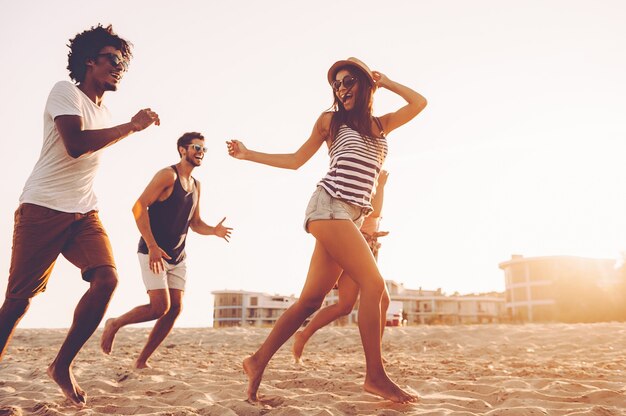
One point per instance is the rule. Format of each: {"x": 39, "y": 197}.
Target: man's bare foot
{"x": 389, "y": 390}
{"x": 65, "y": 380}
{"x": 141, "y": 365}
{"x": 298, "y": 346}
{"x": 108, "y": 335}
{"x": 80, "y": 391}
{"x": 254, "y": 371}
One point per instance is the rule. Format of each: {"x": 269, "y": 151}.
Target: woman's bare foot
{"x": 254, "y": 371}
{"x": 389, "y": 390}
{"x": 108, "y": 335}
{"x": 65, "y": 380}
{"x": 299, "y": 341}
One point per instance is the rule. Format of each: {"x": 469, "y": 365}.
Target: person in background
{"x": 348, "y": 289}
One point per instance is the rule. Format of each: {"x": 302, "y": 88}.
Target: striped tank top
{"x": 354, "y": 167}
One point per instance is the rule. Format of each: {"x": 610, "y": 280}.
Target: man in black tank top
{"x": 168, "y": 207}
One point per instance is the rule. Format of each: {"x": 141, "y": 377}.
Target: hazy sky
{"x": 520, "y": 150}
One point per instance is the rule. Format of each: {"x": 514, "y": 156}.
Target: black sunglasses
{"x": 197, "y": 147}
{"x": 115, "y": 60}
{"x": 348, "y": 81}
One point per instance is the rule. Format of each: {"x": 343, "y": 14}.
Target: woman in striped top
{"x": 357, "y": 148}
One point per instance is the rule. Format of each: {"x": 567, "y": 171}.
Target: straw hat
{"x": 350, "y": 62}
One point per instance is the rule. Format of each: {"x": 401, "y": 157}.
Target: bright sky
{"x": 520, "y": 149}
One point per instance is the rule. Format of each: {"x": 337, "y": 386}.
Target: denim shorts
{"x": 322, "y": 206}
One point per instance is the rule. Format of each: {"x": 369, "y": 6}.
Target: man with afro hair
{"x": 58, "y": 211}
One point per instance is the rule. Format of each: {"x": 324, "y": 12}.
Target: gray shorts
{"x": 322, "y": 206}
{"x": 174, "y": 276}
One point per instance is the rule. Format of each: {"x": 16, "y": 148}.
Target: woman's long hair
{"x": 360, "y": 117}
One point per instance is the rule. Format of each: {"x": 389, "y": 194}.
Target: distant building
{"x": 564, "y": 289}
{"x": 434, "y": 307}
{"x": 241, "y": 308}
{"x": 408, "y": 306}
{"x": 417, "y": 306}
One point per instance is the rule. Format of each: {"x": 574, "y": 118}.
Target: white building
{"x": 564, "y": 289}
{"x": 434, "y": 307}
{"x": 408, "y": 306}
{"x": 242, "y": 308}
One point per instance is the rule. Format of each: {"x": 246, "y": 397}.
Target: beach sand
{"x": 534, "y": 369}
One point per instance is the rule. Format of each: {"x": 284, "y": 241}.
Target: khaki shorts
{"x": 40, "y": 234}
{"x": 174, "y": 276}
{"x": 322, "y": 206}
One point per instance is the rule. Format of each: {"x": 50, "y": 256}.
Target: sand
{"x": 554, "y": 369}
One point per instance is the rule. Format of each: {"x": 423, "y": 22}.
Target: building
{"x": 434, "y": 307}
{"x": 419, "y": 306}
{"x": 407, "y": 307}
{"x": 563, "y": 289}
{"x": 241, "y": 308}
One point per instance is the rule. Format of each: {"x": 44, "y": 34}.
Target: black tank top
{"x": 169, "y": 220}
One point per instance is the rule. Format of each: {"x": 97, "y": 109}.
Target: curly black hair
{"x": 88, "y": 44}
{"x": 187, "y": 138}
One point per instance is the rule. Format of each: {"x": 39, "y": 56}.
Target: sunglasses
{"x": 348, "y": 81}
{"x": 115, "y": 60}
{"x": 197, "y": 148}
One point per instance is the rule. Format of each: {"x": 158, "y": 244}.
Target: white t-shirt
{"x": 59, "y": 181}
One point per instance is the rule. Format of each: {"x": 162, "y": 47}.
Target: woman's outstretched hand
{"x": 236, "y": 149}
